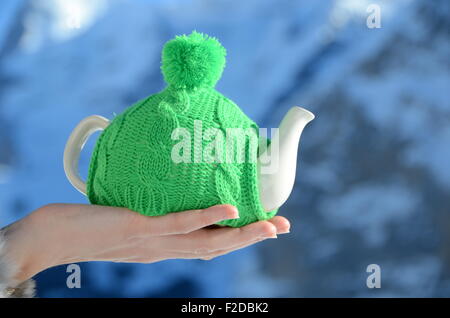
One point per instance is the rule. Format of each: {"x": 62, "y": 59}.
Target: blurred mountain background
{"x": 373, "y": 183}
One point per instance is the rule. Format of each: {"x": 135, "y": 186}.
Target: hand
{"x": 59, "y": 234}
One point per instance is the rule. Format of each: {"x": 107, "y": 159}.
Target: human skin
{"x": 59, "y": 234}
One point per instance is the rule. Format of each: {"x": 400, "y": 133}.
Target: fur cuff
{"x": 9, "y": 288}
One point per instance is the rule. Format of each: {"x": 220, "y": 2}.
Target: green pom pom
{"x": 193, "y": 61}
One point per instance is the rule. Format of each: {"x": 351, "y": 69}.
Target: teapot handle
{"x": 75, "y": 144}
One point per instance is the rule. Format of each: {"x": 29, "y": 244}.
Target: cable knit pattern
{"x": 132, "y": 166}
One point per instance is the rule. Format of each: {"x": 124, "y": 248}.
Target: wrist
{"x": 27, "y": 249}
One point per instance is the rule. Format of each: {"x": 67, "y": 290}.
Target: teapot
{"x": 188, "y": 147}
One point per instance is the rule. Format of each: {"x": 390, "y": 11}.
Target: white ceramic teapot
{"x": 275, "y": 186}
{"x": 132, "y": 165}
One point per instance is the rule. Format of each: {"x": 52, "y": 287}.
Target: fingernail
{"x": 235, "y": 214}
{"x": 273, "y": 236}
{"x": 272, "y": 233}
{"x": 284, "y": 232}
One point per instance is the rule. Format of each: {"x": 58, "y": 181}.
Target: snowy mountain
{"x": 373, "y": 183}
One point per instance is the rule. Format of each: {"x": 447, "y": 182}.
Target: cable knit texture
{"x": 132, "y": 163}
{"x": 9, "y": 287}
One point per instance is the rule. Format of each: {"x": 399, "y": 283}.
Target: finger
{"x": 145, "y": 254}
{"x": 143, "y": 251}
{"x": 281, "y": 223}
{"x": 227, "y": 251}
{"x": 214, "y": 254}
{"x": 182, "y": 222}
{"x": 206, "y": 241}
{"x": 211, "y": 255}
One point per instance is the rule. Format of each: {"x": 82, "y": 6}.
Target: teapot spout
{"x": 276, "y": 179}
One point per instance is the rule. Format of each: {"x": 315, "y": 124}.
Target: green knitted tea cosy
{"x": 133, "y": 163}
